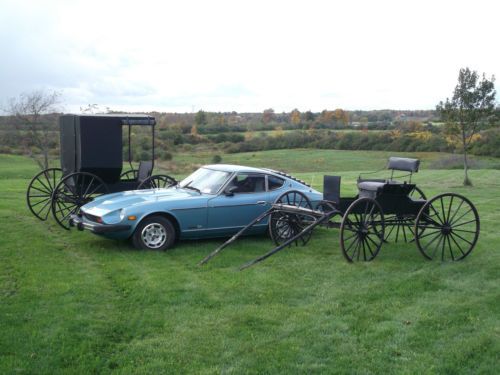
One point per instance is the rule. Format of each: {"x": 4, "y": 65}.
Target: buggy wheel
{"x": 447, "y": 227}
{"x": 401, "y": 226}
{"x": 72, "y": 192}
{"x": 362, "y": 230}
{"x": 40, "y": 189}
{"x": 284, "y": 225}
{"x": 131, "y": 174}
{"x": 417, "y": 194}
{"x": 158, "y": 181}
{"x": 154, "y": 233}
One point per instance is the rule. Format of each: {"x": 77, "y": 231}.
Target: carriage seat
{"x": 370, "y": 185}
{"x": 145, "y": 170}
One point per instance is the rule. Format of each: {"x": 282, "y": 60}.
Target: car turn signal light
{"x": 132, "y": 217}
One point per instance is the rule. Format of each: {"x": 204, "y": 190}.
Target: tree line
{"x": 467, "y": 123}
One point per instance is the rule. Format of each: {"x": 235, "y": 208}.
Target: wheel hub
{"x": 446, "y": 229}
{"x": 154, "y": 235}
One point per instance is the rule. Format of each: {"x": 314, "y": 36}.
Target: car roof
{"x": 235, "y": 168}
{"x": 242, "y": 168}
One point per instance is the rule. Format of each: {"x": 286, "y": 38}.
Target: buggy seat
{"x": 372, "y": 187}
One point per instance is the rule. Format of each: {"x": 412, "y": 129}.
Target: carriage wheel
{"x": 158, "y": 181}
{"x": 283, "y": 225}
{"x": 402, "y": 226}
{"x": 362, "y": 230}
{"x": 447, "y": 227}
{"x": 72, "y": 192}
{"x": 39, "y": 193}
{"x": 131, "y": 174}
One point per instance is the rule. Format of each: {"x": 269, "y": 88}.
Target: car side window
{"x": 274, "y": 182}
{"x": 248, "y": 183}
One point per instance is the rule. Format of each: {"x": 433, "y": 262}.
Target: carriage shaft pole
{"x": 235, "y": 237}
{"x": 289, "y": 241}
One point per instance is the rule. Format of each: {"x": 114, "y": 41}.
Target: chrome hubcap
{"x": 154, "y": 235}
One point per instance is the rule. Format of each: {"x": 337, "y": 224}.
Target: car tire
{"x": 154, "y": 233}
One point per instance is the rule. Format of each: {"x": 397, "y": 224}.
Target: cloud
{"x": 244, "y": 56}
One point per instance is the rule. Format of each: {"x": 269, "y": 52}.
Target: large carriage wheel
{"x": 362, "y": 230}
{"x": 283, "y": 225}
{"x": 131, "y": 174}
{"x": 40, "y": 189}
{"x": 158, "y": 181}
{"x": 401, "y": 226}
{"x": 72, "y": 192}
{"x": 447, "y": 227}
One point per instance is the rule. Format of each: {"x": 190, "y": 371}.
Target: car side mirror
{"x": 229, "y": 192}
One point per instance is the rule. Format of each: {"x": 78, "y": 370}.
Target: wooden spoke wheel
{"x": 362, "y": 230}
{"x": 131, "y": 175}
{"x": 285, "y": 225}
{"x": 40, "y": 189}
{"x": 159, "y": 181}
{"x": 72, "y": 192}
{"x": 447, "y": 227}
{"x": 400, "y": 227}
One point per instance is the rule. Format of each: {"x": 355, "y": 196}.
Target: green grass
{"x": 311, "y": 160}
{"x": 71, "y": 302}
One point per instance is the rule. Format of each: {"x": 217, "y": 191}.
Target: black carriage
{"x": 91, "y": 165}
{"x": 445, "y": 227}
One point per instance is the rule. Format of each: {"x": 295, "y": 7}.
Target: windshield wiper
{"x": 191, "y": 187}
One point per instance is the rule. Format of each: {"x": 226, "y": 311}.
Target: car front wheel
{"x": 154, "y": 233}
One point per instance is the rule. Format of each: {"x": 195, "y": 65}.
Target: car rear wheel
{"x": 154, "y": 233}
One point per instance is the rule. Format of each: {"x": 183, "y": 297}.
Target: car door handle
{"x": 261, "y": 203}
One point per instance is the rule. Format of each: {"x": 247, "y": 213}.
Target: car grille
{"x": 95, "y": 219}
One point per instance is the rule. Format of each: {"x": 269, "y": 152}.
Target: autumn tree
{"x": 35, "y": 128}
{"x": 295, "y": 117}
{"x": 471, "y": 109}
{"x": 268, "y": 116}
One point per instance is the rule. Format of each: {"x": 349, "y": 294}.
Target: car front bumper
{"x": 81, "y": 224}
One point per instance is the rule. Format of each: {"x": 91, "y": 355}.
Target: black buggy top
{"x": 91, "y": 165}
{"x": 93, "y": 143}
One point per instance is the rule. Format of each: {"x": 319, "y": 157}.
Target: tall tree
{"x": 268, "y": 115}
{"x": 35, "y": 128}
{"x": 295, "y": 117}
{"x": 200, "y": 118}
{"x": 471, "y": 109}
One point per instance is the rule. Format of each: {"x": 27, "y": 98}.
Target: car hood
{"x": 112, "y": 202}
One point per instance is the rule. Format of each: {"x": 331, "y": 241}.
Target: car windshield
{"x": 205, "y": 180}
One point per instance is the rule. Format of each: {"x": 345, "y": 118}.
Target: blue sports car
{"x": 214, "y": 201}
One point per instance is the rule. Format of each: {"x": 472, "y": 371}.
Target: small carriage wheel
{"x": 158, "y": 181}
{"x": 131, "y": 174}
{"x": 40, "y": 189}
{"x": 362, "y": 230}
{"x": 447, "y": 227}
{"x": 72, "y": 192}
{"x": 283, "y": 225}
{"x": 403, "y": 224}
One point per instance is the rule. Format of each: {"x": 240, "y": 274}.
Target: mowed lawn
{"x": 72, "y": 302}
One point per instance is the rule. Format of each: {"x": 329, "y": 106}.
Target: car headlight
{"x": 114, "y": 217}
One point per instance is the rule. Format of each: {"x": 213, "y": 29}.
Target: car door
{"x": 243, "y": 199}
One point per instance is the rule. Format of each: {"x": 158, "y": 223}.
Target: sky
{"x": 245, "y": 56}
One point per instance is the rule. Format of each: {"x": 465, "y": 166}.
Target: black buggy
{"x": 444, "y": 227}
{"x": 91, "y": 165}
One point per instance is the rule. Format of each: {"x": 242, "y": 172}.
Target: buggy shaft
{"x": 289, "y": 241}
{"x": 235, "y": 237}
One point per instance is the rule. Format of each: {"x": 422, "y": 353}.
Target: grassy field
{"x": 71, "y": 302}
{"x": 307, "y": 160}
